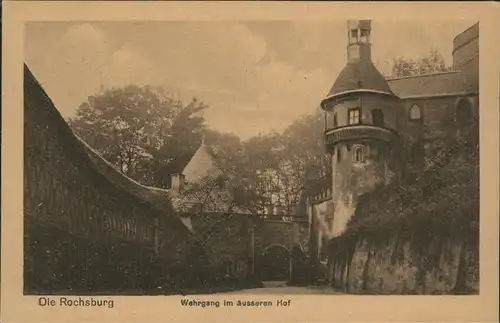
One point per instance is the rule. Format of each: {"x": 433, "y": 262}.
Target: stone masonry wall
{"x": 397, "y": 269}
{"x": 353, "y": 179}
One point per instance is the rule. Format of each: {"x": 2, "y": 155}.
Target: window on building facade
{"x": 365, "y": 33}
{"x": 354, "y": 36}
{"x": 354, "y": 116}
{"x": 463, "y": 111}
{"x": 415, "y": 112}
{"x": 335, "y": 123}
{"x": 377, "y": 117}
{"x": 358, "y": 154}
{"x": 339, "y": 157}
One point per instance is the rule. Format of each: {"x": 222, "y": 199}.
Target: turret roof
{"x": 361, "y": 76}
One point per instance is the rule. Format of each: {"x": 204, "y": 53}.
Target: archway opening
{"x": 275, "y": 264}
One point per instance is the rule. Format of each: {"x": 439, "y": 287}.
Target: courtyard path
{"x": 280, "y": 287}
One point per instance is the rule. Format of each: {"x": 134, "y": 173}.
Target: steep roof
{"x": 361, "y": 76}
{"x": 156, "y": 196}
{"x": 36, "y": 99}
{"x": 428, "y": 85}
{"x": 202, "y": 164}
{"x": 207, "y": 185}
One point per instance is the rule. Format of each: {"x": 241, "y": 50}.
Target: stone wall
{"x": 279, "y": 232}
{"x": 352, "y": 179}
{"x": 440, "y": 268}
{"x": 438, "y": 117}
{"x": 322, "y": 215}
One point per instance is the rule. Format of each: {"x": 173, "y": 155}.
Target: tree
{"x": 305, "y": 149}
{"x": 277, "y": 168}
{"x": 430, "y": 63}
{"x": 141, "y": 130}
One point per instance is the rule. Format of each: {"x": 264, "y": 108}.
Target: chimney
{"x": 177, "y": 181}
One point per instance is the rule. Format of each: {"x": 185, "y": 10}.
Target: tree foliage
{"x": 277, "y": 168}
{"x": 143, "y": 131}
{"x": 430, "y": 63}
{"x": 432, "y": 204}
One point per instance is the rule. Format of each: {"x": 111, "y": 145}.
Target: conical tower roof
{"x": 360, "y": 76}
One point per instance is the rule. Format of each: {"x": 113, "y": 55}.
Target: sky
{"x": 256, "y": 76}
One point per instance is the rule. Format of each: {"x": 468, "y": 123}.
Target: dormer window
{"x": 415, "y": 113}
{"x": 354, "y": 116}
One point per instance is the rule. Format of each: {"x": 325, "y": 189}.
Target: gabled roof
{"x": 202, "y": 164}
{"x": 361, "y": 76}
{"x": 208, "y": 187}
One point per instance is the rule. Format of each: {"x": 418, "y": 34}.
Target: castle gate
{"x": 275, "y": 263}
{"x": 277, "y": 242}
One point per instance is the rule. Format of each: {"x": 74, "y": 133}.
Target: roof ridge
{"x": 423, "y": 75}
{"x": 109, "y": 164}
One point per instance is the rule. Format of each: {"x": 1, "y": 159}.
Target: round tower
{"x": 359, "y": 126}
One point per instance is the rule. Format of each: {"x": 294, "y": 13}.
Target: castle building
{"x": 376, "y": 128}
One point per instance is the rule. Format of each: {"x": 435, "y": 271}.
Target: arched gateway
{"x": 275, "y": 263}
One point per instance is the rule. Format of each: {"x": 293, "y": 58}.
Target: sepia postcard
{"x": 250, "y": 162}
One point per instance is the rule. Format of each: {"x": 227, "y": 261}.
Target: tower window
{"x": 354, "y": 36}
{"x": 358, "y": 154}
{"x": 335, "y": 123}
{"x": 365, "y": 34}
{"x": 339, "y": 151}
{"x": 354, "y": 116}
{"x": 377, "y": 117}
{"x": 463, "y": 111}
{"x": 415, "y": 113}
